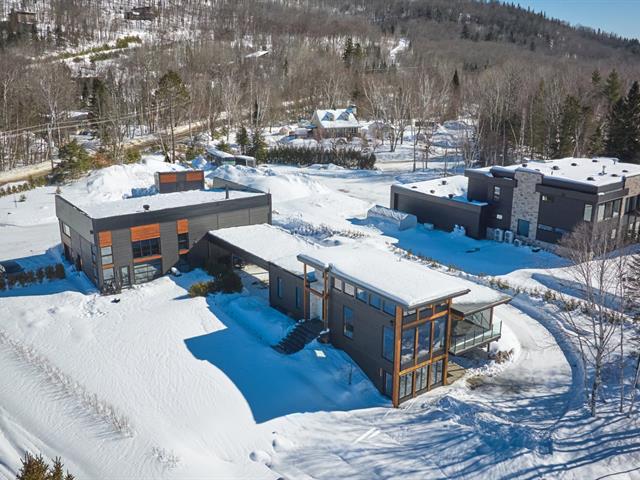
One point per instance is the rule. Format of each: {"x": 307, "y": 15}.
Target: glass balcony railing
{"x": 475, "y": 336}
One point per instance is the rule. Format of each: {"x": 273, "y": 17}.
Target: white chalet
{"x": 341, "y": 122}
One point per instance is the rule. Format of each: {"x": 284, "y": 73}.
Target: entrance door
{"x": 125, "y": 278}
{"x": 315, "y": 307}
{"x": 523, "y": 228}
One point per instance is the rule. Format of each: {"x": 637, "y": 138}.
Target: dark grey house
{"x": 537, "y": 202}
{"x": 134, "y": 240}
{"x": 398, "y": 320}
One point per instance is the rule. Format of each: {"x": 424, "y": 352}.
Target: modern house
{"x": 134, "y": 240}
{"x": 536, "y": 202}
{"x": 335, "y": 123}
{"x": 146, "y": 13}
{"x": 397, "y": 319}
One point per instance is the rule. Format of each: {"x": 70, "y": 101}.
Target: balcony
{"x": 467, "y": 335}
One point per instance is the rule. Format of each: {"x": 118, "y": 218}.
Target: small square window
{"x": 105, "y": 251}
{"x": 389, "y": 307}
{"x": 496, "y": 193}
{"x": 375, "y": 301}
{"x": 337, "y": 284}
{"x": 66, "y": 230}
{"x": 349, "y": 289}
{"x": 499, "y": 216}
{"x": 361, "y": 295}
{"x": 547, "y": 198}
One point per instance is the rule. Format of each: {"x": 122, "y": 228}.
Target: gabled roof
{"x": 337, "y": 118}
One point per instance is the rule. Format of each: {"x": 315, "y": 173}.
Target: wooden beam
{"x": 396, "y": 357}
{"x": 447, "y": 342}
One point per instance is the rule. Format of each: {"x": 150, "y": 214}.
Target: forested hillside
{"x": 537, "y": 87}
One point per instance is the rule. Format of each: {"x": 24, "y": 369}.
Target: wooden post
{"x": 445, "y": 361}
{"x": 396, "y": 357}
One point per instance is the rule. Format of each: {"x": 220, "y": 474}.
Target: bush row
{"x": 30, "y": 277}
{"x": 343, "y": 157}
{"x": 23, "y": 187}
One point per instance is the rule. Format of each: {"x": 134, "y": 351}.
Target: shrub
{"x": 23, "y": 198}
{"x": 35, "y": 468}
{"x": 49, "y": 272}
{"x": 229, "y": 282}
{"x": 192, "y": 152}
{"x": 59, "y": 271}
{"x": 40, "y": 274}
{"x": 344, "y": 157}
{"x": 132, "y": 155}
{"x": 74, "y": 161}
{"x": 200, "y": 289}
{"x": 3, "y": 284}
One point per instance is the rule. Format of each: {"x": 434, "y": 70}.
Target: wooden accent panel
{"x": 147, "y": 259}
{"x": 183, "y": 226}
{"x": 168, "y": 178}
{"x": 195, "y": 176}
{"x": 395, "y": 397}
{"x": 182, "y": 251}
{"x": 105, "y": 239}
{"x": 145, "y": 232}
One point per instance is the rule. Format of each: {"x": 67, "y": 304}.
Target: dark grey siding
{"x": 366, "y": 345}
{"x": 480, "y": 188}
{"x": 443, "y": 213}
{"x": 75, "y": 218}
{"x": 122, "y": 253}
{"x": 287, "y": 303}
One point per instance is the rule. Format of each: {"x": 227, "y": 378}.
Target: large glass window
{"x": 439, "y": 333}
{"x": 107, "y": 274}
{"x": 146, "y": 248}
{"x": 608, "y": 210}
{"x": 406, "y": 385}
{"x": 616, "y": 207}
{"x": 347, "y": 319}
{"x": 422, "y": 378}
{"x": 408, "y": 348}
{"x": 436, "y": 373}
{"x": 600, "y": 213}
{"x": 388, "y": 384}
{"x": 107, "y": 255}
{"x": 183, "y": 241}
{"x": 588, "y": 213}
{"x": 145, "y": 272}
{"x": 424, "y": 341}
{"x": 387, "y": 343}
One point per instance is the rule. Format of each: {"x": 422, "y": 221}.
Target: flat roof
{"x": 406, "y": 282}
{"x": 113, "y": 208}
{"x": 598, "y": 171}
{"x": 452, "y": 188}
{"x": 270, "y": 243}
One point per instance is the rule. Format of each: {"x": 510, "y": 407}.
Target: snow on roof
{"x": 590, "y": 171}
{"x": 337, "y": 118}
{"x": 454, "y": 188}
{"x": 219, "y": 153}
{"x": 113, "y": 208}
{"x": 407, "y": 283}
{"x": 272, "y": 244}
{"x": 479, "y": 298}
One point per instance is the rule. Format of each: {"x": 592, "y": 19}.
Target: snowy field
{"x": 160, "y": 385}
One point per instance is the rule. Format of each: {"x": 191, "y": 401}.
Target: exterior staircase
{"x": 299, "y": 336}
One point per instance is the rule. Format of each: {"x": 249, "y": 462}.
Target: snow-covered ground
{"x": 160, "y": 385}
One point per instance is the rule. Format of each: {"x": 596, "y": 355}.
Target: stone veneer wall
{"x": 526, "y": 201}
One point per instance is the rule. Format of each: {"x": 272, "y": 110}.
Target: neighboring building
{"x": 397, "y": 319}
{"x": 179, "y": 181}
{"x": 537, "y": 202}
{"x": 140, "y": 13}
{"x": 219, "y": 157}
{"x": 134, "y": 240}
{"x": 19, "y": 23}
{"x": 336, "y": 123}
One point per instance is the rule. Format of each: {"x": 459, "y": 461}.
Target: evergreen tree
{"x": 596, "y": 78}
{"x": 243, "y": 139}
{"x": 538, "y": 124}
{"x": 258, "y": 146}
{"x": 466, "y": 33}
{"x": 172, "y": 94}
{"x": 347, "y": 53}
{"x": 569, "y": 126}
{"x": 632, "y": 124}
{"x": 612, "y": 90}
{"x": 596, "y": 142}
{"x": 616, "y": 134}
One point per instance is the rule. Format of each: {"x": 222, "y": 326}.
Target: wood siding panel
{"x": 195, "y": 176}
{"x": 183, "y": 225}
{"x": 105, "y": 239}
{"x": 145, "y": 232}
{"x": 168, "y": 178}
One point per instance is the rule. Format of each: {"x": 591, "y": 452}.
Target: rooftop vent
{"x": 614, "y": 174}
{"x": 146, "y": 207}
{"x": 451, "y": 195}
{"x": 444, "y": 182}
{"x": 625, "y": 171}
{"x": 591, "y": 179}
{"x": 555, "y": 167}
{"x": 432, "y": 191}
{"x": 604, "y": 170}
{"x": 414, "y": 187}
{"x": 574, "y": 164}
{"x": 594, "y": 160}
{"x": 524, "y": 164}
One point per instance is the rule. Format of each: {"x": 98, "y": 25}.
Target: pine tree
{"x": 596, "y": 78}
{"x": 612, "y": 90}
{"x": 172, "y": 94}
{"x": 569, "y": 125}
{"x": 616, "y": 135}
{"x": 632, "y": 124}
{"x": 596, "y": 142}
{"x": 243, "y": 139}
{"x": 538, "y": 124}
{"x": 33, "y": 468}
{"x": 258, "y": 146}
{"x": 348, "y": 51}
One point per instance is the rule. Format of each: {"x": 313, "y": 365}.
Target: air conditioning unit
{"x": 508, "y": 236}
{"x": 517, "y": 242}
{"x": 498, "y": 235}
